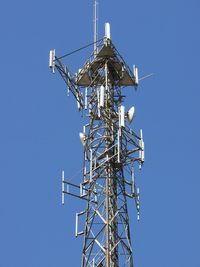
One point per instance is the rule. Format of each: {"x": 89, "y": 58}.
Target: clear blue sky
{"x": 40, "y": 127}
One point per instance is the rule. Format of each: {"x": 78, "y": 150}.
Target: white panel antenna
{"x": 52, "y": 55}
{"x": 98, "y": 99}
{"x": 118, "y": 145}
{"x": 135, "y": 72}
{"x": 107, "y": 30}
{"x": 141, "y": 151}
{"x": 122, "y": 116}
{"x": 102, "y": 91}
{"x": 82, "y": 138}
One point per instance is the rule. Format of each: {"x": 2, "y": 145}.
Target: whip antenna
{"x": 95, "y": 25}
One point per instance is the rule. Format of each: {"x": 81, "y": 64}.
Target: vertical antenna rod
{"x": 95, "y": 25}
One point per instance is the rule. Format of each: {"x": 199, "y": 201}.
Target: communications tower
{"x": 111, "y": 152}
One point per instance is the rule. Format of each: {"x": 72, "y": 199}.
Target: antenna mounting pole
{"x": 95, "y": 25}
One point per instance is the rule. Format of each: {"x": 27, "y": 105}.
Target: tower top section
{"x": 119, "y": 72}
{"x": 92, "y": 73}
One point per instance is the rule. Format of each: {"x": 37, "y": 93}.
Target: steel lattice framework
{"x": 111, "y": 150}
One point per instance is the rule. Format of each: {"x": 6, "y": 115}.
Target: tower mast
{"x": 111, "y": 152}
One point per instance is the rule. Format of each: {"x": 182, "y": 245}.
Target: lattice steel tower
{"x": 111, "y": 150}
